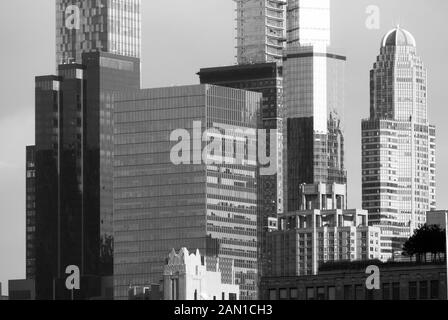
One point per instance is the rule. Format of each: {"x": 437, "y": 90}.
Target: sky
{"x": 177, "y": 41}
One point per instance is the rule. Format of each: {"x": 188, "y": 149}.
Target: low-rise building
{"x": 151, "y": 292}
{"x": 347, "y": 281}
{"x": 322, "y": 230}
{"x": 186, "y": 278}
{"x": 22, "y": 289}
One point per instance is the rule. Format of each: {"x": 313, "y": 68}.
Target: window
{"x": 310, "y": 294}
{"x": 413, "y": 290}
{"x": 232, "y": 296}
{"x": 331, "y": 293}
{"x": 434, "y": 289}
{"x": 348, "y": 292}
{"x": 321, "y": 293}
{"x": 272, "y": 294}
{"x": 396, "y": 291}
{"x": 370, "y": 294}
{"x": 386, "y": 291}
{"x": 294, "y": 293}
{"x": 423, "y": 290}
{"x": 359, "y": 292}
{"x": 283, "y": 294}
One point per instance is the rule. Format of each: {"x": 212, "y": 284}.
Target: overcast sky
{"x": 180, "y": 38}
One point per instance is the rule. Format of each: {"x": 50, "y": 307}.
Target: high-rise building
{"x": 308, "y": 23}
{"x": 314, "y": 100}
{"x": 73, "y": 167}
{"x": 261, "y": 30}
{"x": 112, "y": 26}
{"x": 398, "y": 143}
{"x": 267, "y": 79}
{"x": 169, "y": 197}
{"x": 30, "y": 212}
{"x": 98, "y": 45}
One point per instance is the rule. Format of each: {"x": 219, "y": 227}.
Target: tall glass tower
{"x": 70, "y": 187}
{"x": 398, "y": 143}
{"x": 112, "y": 26}
{"x": 261, "y": 30}
{"x": 314, "y": 99}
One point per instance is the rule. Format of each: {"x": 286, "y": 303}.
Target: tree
{"x": 427, "y": 239}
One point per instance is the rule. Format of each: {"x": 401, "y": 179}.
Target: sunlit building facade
{"x": 398, "y": 143}
{"x": 314, "y": 99}
{"x": 112, "y": 26}
{"x": 308, "y": 23}
{"x": 266, "y": 78}
{"x": 207, "y": 205}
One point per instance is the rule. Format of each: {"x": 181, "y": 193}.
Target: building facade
{"x": 185, "y": 277}
{"x": 97, "y": 51}
{"x": 308, "y": 23}
{"x": 398, "y": 143}
{"x": 30, "y": 212}
{"x": 398, "y": 281}
{"x": 314, "y": 98}
{"x": 307, "y": 239}
{"x": 267, "y": 79}
{"x": 261, "y": 30}
{"x": 164, "y": 202}
{"x": 111, "y": 26}
{"x": 73, "y": 166}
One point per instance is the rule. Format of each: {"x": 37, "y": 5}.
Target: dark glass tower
{"x": 74, "y": 147}
{"x": 30, "y": 212}
{"x": 97, "y": 48}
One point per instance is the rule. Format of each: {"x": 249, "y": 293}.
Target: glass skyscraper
{"x": 112, "y": 26}
{"x": 160, "y": 205}
{"x": 73, "y": 167}
{"x": 314, "y": 99}
{"x": 30, "y": 212}
{"x": 398, "y": 143}
{"x": 98, "y": 49}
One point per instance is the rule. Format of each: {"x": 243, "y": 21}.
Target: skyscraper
{"x": 261, "y": 30}
{"x": 398, "y": 143}
{"x": 207, "y": 201}
{"x": 112, "y": 26}
{"x": 266, "y": 78}
{"x": 74, "y": 142}
{"x": 308, "y": 23}
{"x": 30, "y": 212}
{"x": 314, "y": 100}
{"x": 74, "y": 147}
